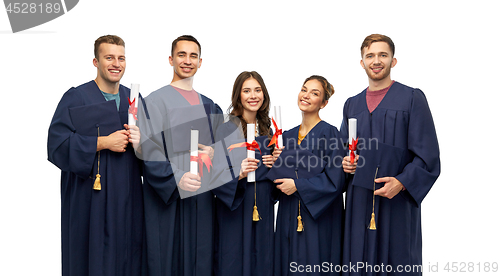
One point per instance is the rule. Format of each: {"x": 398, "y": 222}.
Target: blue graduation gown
{"x": 179, "y": 231}
{"x": 403, "y": 130}
{"x": 102, "y": 230}
{"x": 321, "y": 205}
{"x": 243, "y": 246}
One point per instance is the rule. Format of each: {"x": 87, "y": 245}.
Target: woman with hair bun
{"x": 309, "y": 221}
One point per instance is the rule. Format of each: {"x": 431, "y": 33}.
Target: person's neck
{"x": 374, "y": 85}
{"x": 107, "y": 87}
{"x": 309, "y": 120}
{"x": 185, "y": 84}
{"x": 250, "y": 117}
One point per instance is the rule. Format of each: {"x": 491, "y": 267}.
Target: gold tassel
{"x": 256, "y": 216}
{"x": 97, "y": 182}
{"x": 300, "y": 226}
{"x": 372, "y": 223}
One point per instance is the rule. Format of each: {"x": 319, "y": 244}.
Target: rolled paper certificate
{"x": 193, "y": 164}
{"x": 133, "y": 103}
{"x": 277, "y": 115}
{"x": 250, "y": 153}
{"x": 353, "y": 138}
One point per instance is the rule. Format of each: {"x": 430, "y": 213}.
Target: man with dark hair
{"x": 101, "y": 187}
{"x": 385, "y": 192}
{"x": 184, "y": 38}
{"x": 179, "y": 207}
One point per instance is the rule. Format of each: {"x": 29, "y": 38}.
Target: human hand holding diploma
{"x": 248, "y": 165}
{"x": 134, "y": 135}
{"x": 348, "y": 166}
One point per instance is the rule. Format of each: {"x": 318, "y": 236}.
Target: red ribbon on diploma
{"x": 132, "y": 109}
{"x": 202, "y": 159}
{"x": 250, "y": 146}
{"x": 352, "y": 147}
{"x": 274, "y": 139}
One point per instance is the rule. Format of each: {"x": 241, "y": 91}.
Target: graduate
{"x": 179, "y": 208}
{"x": 245, "y": 210}
{"x": 397, "y": 165}
{"x": 309, "y": 221}
{"x": 101, "y": 187}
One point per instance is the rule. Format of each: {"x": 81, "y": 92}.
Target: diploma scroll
{"x": 133, "y": 103}
{"x": 250, "y": 153}
{"x": 193, "y": 164}
{"x": 277, "y": 115}
{"x": 353, "y": 138}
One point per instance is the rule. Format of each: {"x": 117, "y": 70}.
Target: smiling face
{"x": 377, "y": 60}
{"x": 251, "y": 97}
{"x": 185, "y": 60}
{"x": 311, "y": 97}
{"x": 110, "y": 64}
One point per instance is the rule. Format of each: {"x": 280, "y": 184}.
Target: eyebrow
{"x": 185, "y": 53}
{"x": 257, "y": 87}
{"x": 379, "y": 53}
{"x": 314, "y": 89}
{"x": 112, "y": 55}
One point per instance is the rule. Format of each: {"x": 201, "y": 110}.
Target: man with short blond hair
{"x": 101, "y": 187}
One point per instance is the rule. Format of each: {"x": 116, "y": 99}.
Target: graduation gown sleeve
{"x": 419, "y": 175}
{"x": 67, "y": 149}
{"x": 320, "y": 191}
{"x": 158, "y": 171}
{"x": 227, "y": 187}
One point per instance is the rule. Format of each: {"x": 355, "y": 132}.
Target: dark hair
{"x": 186, "y": 38}
{"x": 236, "y": 108}
{"x": 110, "y": 39}
{"x": 377, "y": 38}
{"x": 327, "y": 87}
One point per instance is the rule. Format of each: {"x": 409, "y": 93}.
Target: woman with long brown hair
{"x": 245, "y": 210}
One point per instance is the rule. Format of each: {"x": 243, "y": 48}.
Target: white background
{"x": 446, "y": 48}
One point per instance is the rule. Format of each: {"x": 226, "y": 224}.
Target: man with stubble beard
{"x": 386, "y": 188}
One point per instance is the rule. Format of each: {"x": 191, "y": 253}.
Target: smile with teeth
{"x": 115, "y": 71}
{"x": 253, "y": 103}
{"x": 377, "y": 69}
{"x": 304, "y": 102}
